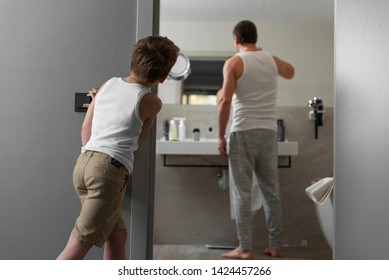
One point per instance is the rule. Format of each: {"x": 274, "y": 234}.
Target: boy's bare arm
{"x": 149, "y": 107}
{"x": 86, "y": 129}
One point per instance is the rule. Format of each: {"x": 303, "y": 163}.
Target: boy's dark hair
{"x": 153, "y": 57}
{"x": 246, "y": 32}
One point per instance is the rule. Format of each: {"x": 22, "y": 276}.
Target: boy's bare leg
{"x": 114, "y": 248}
{"x": 74, "y": 250}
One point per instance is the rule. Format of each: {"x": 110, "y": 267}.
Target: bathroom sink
{"x": 209, "y": 147}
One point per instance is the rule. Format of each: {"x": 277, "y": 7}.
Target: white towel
{"x": 321, "y": 190}
{"x": 256, "y": 198}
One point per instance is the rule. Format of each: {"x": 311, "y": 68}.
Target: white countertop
{"x": 209, "y": 147}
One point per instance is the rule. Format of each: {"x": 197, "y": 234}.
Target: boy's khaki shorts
{"x": 100, "y": 186}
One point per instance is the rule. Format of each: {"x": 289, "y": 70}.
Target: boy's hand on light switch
{"x": 92, "y": 93}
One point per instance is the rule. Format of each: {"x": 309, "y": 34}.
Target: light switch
{"x": 81, "y": 98}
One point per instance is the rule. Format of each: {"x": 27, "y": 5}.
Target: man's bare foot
{"x": 238, "y": 253}
{"x": 274, "y": 252}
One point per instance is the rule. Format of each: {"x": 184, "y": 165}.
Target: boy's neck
{"x": 132, "y": 79}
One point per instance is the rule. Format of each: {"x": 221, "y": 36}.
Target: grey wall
{"x": 361, "y": 129}
{"x": 190, "y": 207}
{"x": 49, "y": 50}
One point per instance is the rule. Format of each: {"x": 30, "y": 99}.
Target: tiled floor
{"x": 201, "y": 252}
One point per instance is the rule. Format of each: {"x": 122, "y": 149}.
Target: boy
{"x": 123, "y": 110}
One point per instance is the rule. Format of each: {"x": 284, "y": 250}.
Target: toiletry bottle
{"x": 165, "y": 130}
{"x": 280, "y": 130}
{"x": 196, "y": 134}
{"x": 182, "y": 130}
{"x": 172, "y": 130}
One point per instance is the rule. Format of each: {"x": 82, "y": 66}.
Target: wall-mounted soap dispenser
{"x": 316, "y": 114}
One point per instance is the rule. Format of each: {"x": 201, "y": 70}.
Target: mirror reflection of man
{"x": 250, "y": 89}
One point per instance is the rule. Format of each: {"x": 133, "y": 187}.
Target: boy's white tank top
{"x": 116, "y": 123}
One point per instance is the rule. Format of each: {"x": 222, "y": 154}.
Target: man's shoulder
{"x": 235, "y": 58}
{"x": 234, "y": 61}
{"x": 234, "y": 66}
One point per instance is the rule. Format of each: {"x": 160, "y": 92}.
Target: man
{"x": 250, "y": 88}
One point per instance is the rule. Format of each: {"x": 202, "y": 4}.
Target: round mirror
{"x": 181, "y": 68}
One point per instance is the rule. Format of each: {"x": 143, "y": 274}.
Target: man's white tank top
{"x": 254, "y": 101}
{"x": 116, "y": 123}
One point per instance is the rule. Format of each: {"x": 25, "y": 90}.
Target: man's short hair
{"x": 153, "y": 57}
{"x": 246, "y": 32}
